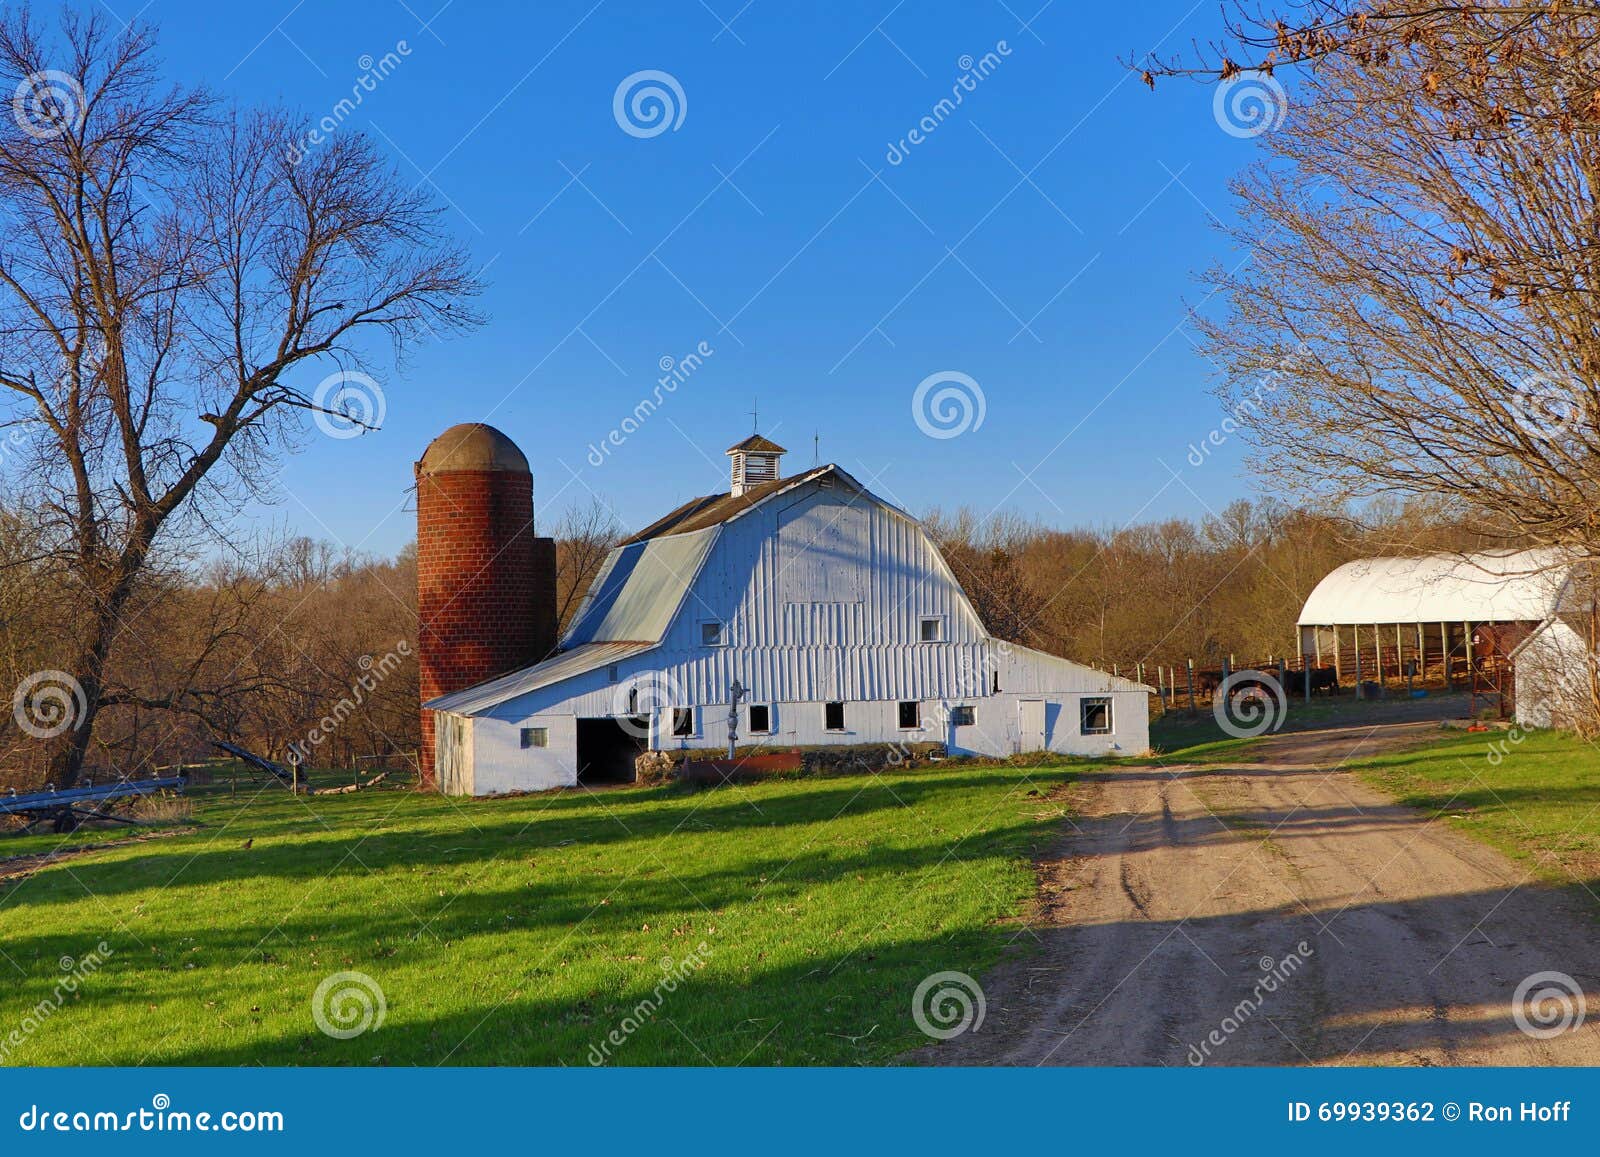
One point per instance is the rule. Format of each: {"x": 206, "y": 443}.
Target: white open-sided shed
{"x": 1439, "y": 615}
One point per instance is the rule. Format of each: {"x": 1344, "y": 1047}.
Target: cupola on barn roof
{"x": 755, "y": 463}
{"x": 757, "y": 444}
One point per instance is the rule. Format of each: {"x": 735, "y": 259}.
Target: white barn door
{"x": 1031, "y": 724}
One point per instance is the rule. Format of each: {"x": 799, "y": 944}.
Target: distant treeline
{"x": 1169, "y": 591}
{"x": 299, "y": 642}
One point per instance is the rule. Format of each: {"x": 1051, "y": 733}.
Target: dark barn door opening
{"x": 606, "y": 750}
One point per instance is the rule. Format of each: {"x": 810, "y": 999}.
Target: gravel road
{"x": 1282, "y": 912}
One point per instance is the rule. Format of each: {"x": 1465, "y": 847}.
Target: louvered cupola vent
{"x": 755, "y": 460}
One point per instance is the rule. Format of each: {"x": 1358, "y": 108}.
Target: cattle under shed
{"x": 1437, "y": 617}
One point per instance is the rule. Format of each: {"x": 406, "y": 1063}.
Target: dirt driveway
{"x": 1289, "y": 911}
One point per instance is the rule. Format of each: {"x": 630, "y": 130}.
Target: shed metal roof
{"x": 566, "y": 665}
{"x": 1492, "y": 587}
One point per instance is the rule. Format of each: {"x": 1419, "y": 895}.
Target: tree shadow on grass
{"x": 299, "y": 852}
{"x": 854, "y": 1004}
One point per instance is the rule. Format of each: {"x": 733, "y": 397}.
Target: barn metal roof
{"x": 639, "y": 589}
{"x": 566, "y": 665}
{"x": 715, "y": 509}
{"x": 1492, "y": 587}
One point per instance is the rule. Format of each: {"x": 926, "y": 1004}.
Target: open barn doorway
{"x": 607, "y": 748}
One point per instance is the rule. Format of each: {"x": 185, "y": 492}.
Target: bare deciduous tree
{"x": 1425, "y": 298}
{"x": 172, "y": 276}
{"x": 584, "y": 536}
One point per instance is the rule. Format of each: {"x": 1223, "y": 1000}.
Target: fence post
{"x": 1192, "y": 707}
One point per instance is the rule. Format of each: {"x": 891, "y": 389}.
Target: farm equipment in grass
{"x": 284, "y": 775}
{"x": 69, "y": 808}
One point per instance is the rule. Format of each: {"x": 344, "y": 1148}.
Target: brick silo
{"x": 486, "y": 597}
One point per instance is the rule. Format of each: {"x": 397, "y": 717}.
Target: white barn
{"x": 831, "y": 607}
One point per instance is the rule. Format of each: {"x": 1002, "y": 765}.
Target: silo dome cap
{"x": 473, "y": 446}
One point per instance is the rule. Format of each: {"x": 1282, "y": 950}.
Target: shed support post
{"x": 1355, "y": 634}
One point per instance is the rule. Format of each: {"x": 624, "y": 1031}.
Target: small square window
{"x": 760, "y": 718}
{"x": 536, "y": 737}
{"x": 611, "y": 673}
{"x": 833, "y": 716}
{"x": 711, "y": 634}
{"x": 962, "y": 716}
{"x": 1095, "y": 716}
{"x": 682, "y": 721}
{"x": 931, "y": 630}
{"x": 910, "y": 715}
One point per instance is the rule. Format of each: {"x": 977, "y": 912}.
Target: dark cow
{"x": 1322, "y": 679}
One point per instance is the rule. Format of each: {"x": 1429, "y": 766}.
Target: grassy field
{"x": 526, "y": 930}
{"x": 1534, "y": 795}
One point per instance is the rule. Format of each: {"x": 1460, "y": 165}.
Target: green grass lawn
{"x": 524, "y": 931}
{"x": 1534, "y": 795}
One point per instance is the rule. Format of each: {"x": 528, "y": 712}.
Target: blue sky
{"x": 1041, "y": 240}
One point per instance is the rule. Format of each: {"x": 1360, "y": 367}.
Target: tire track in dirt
{"x": 1182, "y": 890}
